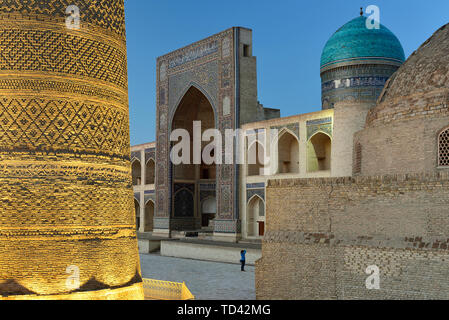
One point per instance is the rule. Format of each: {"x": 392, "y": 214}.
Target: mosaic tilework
{"x": 293, "y": 127}
{"x": 251, "y": 193}
{"x": 161, "y": 223}
{"x": 227, "y": 226}
{"x": 150, "y": 154}
{"x": 314, "y": 126}
{"x": 208, "y": 65}
{"x": 354, "y": 83}
{"x": 65, "y": 175}
{"x": 253, "y": 189}
{"x": 354, "y": 40}
{"x": 356, "y": 62}
{"x": 149, "y": 197}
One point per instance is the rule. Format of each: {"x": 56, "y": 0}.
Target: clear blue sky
{"x": 288, "y": 36}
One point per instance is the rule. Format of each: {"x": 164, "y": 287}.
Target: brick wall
{"x": 322, "y": 234}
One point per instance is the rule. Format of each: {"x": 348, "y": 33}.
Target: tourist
{"x": 243, "y": 259}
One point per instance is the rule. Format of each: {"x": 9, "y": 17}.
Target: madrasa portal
{"x": 353, "y": 135}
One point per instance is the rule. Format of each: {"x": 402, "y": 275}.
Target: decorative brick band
{"x": 431, "y": 104}
{"x": 438, "y": 178}
{"x": 329, "y": 239}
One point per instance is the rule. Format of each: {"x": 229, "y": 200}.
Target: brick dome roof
{"x": 420, "y": 87}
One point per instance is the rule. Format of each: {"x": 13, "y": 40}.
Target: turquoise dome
{"x": 354, "y": 41}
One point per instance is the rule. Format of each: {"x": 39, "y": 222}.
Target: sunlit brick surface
{"x": 65, "y": 180}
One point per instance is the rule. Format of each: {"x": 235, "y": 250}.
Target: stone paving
{"x": 206, "y": 280}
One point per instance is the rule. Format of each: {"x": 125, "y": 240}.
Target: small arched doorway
{"x": 136, "y": 173}
{"x": 149, "y": 216}
{"x": 137, "y": 212}
{"x": 288, "y": 153}
{"x": 319, "y": 150}
{"x": 208, "y": 211}
{"x": 255, "y": 217}
{"x": 149, "y": 172}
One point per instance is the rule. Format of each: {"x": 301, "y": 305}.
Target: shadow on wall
{"x": 319, "y": 150}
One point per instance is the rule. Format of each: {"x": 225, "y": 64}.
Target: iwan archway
{"x": 187, "y": 178}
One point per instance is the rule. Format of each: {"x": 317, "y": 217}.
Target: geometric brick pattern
{"x": 106, "y": 14}
{"x": 65, "y": 176}
{"x": 22, "y": 50}
{"x": 31, "y": 123}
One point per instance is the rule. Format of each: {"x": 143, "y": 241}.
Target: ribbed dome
{"x": 355, "y": 41}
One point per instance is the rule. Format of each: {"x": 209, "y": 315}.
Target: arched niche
{"x": 288, "y": 153}
{"x": 149, "y": 216}
{"x": 136, "y": 172}
{"x": 319, "y": 149}
{"x": 150, "y": 172}
{"x": 255, "y": 217}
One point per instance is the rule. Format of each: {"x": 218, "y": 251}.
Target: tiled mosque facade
{"x": 215, "y": 81}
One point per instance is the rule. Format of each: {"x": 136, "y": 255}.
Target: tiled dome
{"x": 354, "y": 41}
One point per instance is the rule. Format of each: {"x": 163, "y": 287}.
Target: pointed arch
{"x": 187, "y": 88}
{"x": 136, "y": 172}
{"x": 255, "y": 216}
{"x": 319, "y": 149}
{"x": 287, "y": 152}
{"x": 193, "y": 105}
{"x": 255, "y": 196}
{"x": 149, "y": 216}
{"x": 150, "y": 171}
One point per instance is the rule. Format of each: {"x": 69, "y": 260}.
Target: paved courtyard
{"x": 206, "y": 280}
